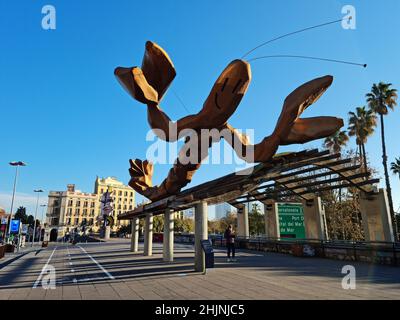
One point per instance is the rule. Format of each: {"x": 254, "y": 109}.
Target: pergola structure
{"x": 290, "y": 177}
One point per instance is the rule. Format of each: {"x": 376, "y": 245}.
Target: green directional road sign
{"x": 291, "y": 220}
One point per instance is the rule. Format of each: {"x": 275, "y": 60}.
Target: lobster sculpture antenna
{"x": 149, "y": 83}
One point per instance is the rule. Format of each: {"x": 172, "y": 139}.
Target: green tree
{"x": 395, "y": 166}
{"x": 21, "y": 215}
{"x": 214, "y": 226}
{"x": 342, "y": 216}
{"x": 337, "y": 141}
{"x": 141, "y": 225}
{"x": 342, "y": 205}
{"x": 361, "y": 125}
{"x": 30, "y": 220}
{"x": 184, "y": 225}
{"x": 158, "y": 223}
{"x": 229, "y": 219}
{"x": 382, "y": 98}
{"x": 256, "y": 220}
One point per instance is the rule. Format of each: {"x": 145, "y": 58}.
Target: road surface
{"x": 110, "y": 271}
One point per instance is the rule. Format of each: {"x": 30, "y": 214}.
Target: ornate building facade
{"x": 71, "y": 209}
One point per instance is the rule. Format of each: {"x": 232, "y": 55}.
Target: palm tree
{"x": 361, "y": 125}
{"x": 336, "y": 141}
{"x": 382, "y": 98}
{"x": 395, "y": 166}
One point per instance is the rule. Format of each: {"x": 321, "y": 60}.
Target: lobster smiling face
{"x": 227, "y": 92}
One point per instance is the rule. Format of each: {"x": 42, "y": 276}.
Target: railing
{"x": 367, "y": 251}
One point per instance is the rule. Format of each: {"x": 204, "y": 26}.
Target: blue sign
{"x": 14, "y": 228}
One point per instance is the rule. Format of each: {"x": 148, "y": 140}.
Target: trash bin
{"x": 45, "y": 244}
{"x": 2, "y": 251}
{"x": 10, "y": 248}
{"x": 209, "y": 253}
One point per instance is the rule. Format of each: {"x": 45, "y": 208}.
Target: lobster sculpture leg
{"x": 149, "y": 83}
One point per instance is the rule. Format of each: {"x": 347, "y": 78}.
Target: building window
{"x": 101, "y": 191}
{"x": 126, "y": 193}
{"x": 78, "y": 203}
{"x": 120, "y": 193}
{"x": 77, "y": 211}
{"x": 85, "y": 204}
{"x": 84, "y": 211}
{"x": 131, "y": 194}
{"x": 70, "y": 203}
{"x": 76, "y": 221}
{"x": 92, "y": 204}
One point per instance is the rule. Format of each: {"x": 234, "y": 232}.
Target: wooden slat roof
{"x": 290, "y": 174}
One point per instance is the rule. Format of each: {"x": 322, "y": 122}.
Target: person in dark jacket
{"x": 230, "y": 243}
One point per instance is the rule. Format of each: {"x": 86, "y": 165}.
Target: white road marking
{"x": 87, "y": 279}
{"x": 92, "y": 279}
{"x": 98, "y": 264}
{"x": 43, "y": 270}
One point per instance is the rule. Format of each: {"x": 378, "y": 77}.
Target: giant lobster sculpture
{"x": 149, "y": 83}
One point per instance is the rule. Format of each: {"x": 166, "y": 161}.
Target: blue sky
{"x": 63, "y": 112}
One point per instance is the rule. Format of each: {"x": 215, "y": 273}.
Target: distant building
{"x": 188, "y": 213}
{"x": 69, "y": 209}
{"x": 3, "y": 227}
{"x": 222, "y": 210}
{"x": 2, "y": 212}
{"x": 73, "y": 208}
{"x": 215, "y": 212}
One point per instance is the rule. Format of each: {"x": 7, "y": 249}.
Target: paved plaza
{"x": 110, "y": 271}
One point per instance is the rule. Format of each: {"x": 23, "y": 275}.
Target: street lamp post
{"x": 34, "y": 224}
{"x": 15, "y": 164}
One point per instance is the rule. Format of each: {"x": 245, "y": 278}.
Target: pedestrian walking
{"x": 230, "y": 243}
